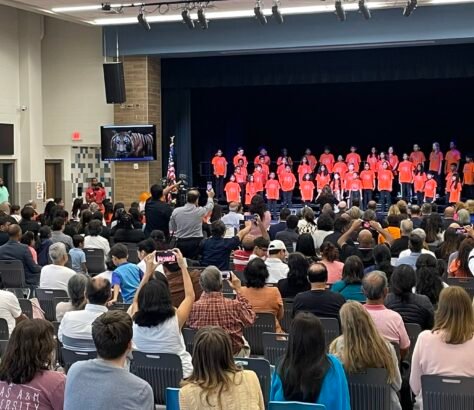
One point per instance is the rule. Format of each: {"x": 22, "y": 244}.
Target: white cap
{"x": 277, "y": 244}
{"x": 471, "y": 262}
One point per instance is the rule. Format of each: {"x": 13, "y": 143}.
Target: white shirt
{"x": 232, "y": 219}
{"x": 97, "y": 242}
{"x": 319, "y": 237}
{"x": 9, "y": 308}
{"x": 277, "y": 270}
{"x": 55, "y": 277}
{"x": 407, "y": 252}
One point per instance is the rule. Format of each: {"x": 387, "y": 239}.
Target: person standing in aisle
{"x": 219, "y": 163}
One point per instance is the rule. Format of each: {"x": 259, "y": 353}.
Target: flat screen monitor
{"x": 6, "y": 139}
{"x": 128, "y": 142}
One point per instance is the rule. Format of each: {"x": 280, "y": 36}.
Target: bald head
{"x": 372, "y": 205}
{"x": 375, "y": 285}
{"x": 449, "y": 212}
{"x": 14, "y": 232}
{"x": 365, "y": 238}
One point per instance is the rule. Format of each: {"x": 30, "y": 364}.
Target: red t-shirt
{"x": 419, "y": 182}
{"x": 368, "y": 179}
{"x": 287, "y": 181}
{"x": 250, "y": 192}
{"x": 355, "y": 185}
{"x": 257, "y": 160}
{"x": 312, "y": 161}
{"x": 430, "y": 188}
{"x": 241, "y": 177}
{"x": 436, "y": 158}
{"x": 232, "y": 190}
{"x": 242, "y": 157}
{"x": 455, "y": 193}
{"x": 385, "y": 177}
{"x": 405, "y": 170}
{"x": 322, "y": 180}
{"x": 373, "y": 161}
{"x": 417, "y": 157}
{"x": 220, "y": 166}
{"x": 340, "y": 168}
{"x": 468, "y": 172}
{"x": 328, "y": 160}
{"x": 353, "y": 158}
{"x": 453, "y": 156}
{"x": 303, "y": 170}
{"x": 272, "y": 188}
{"x": 307, "y": 190}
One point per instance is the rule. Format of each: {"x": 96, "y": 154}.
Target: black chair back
{"x": 46, "y": 299}
{"x": 274, "y": 346}
{"x": 120, "y": 306}
{"x": 72, "y": 356}
{"x": 466, "y": 283}
{"x": 264, "y": 322}
{"x": 331, "y": 329}
{"x": 3, "y": 347}
{"x": 287, "y": 316}
{"x": 94, "y": 261}
{"x": 26, "y": 307}
{"x": 188, "y": 336}
{"x": 369, "y": 390}
{"x": 132, "y": 252}
{"x": 413, "y": 330}
{"x": 12, "y": 274}
{"x": 442, "y": 393}
{"x": 262, "y": 369}
{"x": 4, "y": 332}
{"x": 20, "y": 293}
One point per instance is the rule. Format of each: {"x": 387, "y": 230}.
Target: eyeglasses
{"x": 263, "y": 249}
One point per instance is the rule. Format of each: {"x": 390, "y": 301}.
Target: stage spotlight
{"x": 258, "y": 10}
{"x": 340, "y": 12}
{"x": 203, "y": 22}
{"x": 142, "y": 20}
{"x": 410, "y": 7}
{"x": 187, "y": 18}
{"x": 364, "y": 10}
{"x": 277, "y": 14}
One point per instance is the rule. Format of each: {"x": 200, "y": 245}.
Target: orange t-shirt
{"x": 281, "y": 169}
{"x": 273, "y": 189}
{"x": 419, "y": 182}
{"x": 312, "y": 161}
{"x": 393, "y": 161}
{"x": 347, "y": 179}
{"x": 287, "y": 181}
{"x": 385, "y": 177}
{"x": 340, "y": 168}
{"x": 354, "y": 158}
{"x": 336, "y": 185}
{"x": 455, "y": 193}
{"x": 322, "y": 180}
{"x": 257, "y": 160}
{"x": 468, "y": 172}
{"x": 250, "y": 192}
{"x": 232, "y": 190}
{"x": 380, "y": 165}
{"x": 436, "y": 158}
{"x": 259, "y": 180}
{"x": 405, "y": 170}
{"x": 328, "y": 160}
{"x": 241, "y": 177}
{"x": 266, "y": 171}
{"x": 242, "y": 157}
{"x": 368, "y": 179}
{"x": 220, "y": 166}
{"x": 448, "y": 181}
{"x": 355, "y": 185}
{"x": 373, "y": 161}
{"x": 453, "y": 156}
{"x": 303, "y": 170}
{"x": 307, "y": 190}
{"x": 430, "y": 188}
{"x": 417, "y": 157}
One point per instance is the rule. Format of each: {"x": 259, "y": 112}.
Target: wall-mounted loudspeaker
{"x": 114, "y": 83}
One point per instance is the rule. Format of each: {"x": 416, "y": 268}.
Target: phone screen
{"x": 249, "y": 217}
{"x": 165, "y": 257}
{"x": 225, "y": 274}
{"x": 460, "y": 231}
{"x": 209, "y": 185}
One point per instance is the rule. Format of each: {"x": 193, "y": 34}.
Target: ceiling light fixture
{"x": 142, "y": 19}
{"x": 364, "y": 10}
{"x": 203, "y": 21}
{"x": 258, "y": 10}
{"x": 277, "y": 13}
{"x": 340, "y": 12}
{"x": 186, "y": 14}
{"x": 410, "y": 7}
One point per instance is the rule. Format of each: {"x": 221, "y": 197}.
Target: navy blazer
{"x": 14, "y": 250}
{"x": 274, "y": 229}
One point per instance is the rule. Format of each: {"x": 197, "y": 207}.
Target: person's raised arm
{"x": 346, "y": 235}
{"x": 209, "y": 206}
{"x": 386, "y": 235}
{"x": 262, "y": 228}
{"x": 245, "y": 231}
{"x": 149, "y": 273}
{"x": 247, "y": 315}
{"x": 186, "y": 305}
{"x": 171, "y": 188}
{"x": 172, "y": 224}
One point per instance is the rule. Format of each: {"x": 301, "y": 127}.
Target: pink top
{"x": 267, "y": 218}
{"x": 34, "y": 255}
{"x": 44, "y": 392}
{"x": 433, "y": 356}
{"x": 390, "y": 325}
{"x": 334, "y": 271}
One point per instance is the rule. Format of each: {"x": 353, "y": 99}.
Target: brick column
{"x": 143, "y": 106}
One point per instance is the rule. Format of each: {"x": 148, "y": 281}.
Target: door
{"x": 53, "y": 179}
{"x": 7, "y": 170}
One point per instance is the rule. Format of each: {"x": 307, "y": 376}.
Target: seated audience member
{"x": 281, "y": 225}
{"x": 28, "y": 239}
{"x": 341, "y": 225}
{"x": 233, "y": 218}
{"x": 388, "y": 322}
{"x": 94, "y": 240}
{"x": 126, "y": 277}
{"x": 403, "y": 208}
{"x": 276, "y": 266}
{"x": 401, "y": 244}
{"x": 145, "y": 248}
{"x": 216, "y": 250}
{"x": 58, "y": 235}
{"x": 289, "y": 236}
{"x": 450, "y": 245}
{"x": 260, "y": 250}
{"x": 259, "y": 207}
{"x": 432, "y": 226}
{"x": 159, "y": 237}
{"x": 157, "y": 324}
{"x": 125, "y": 230}
{"x": 25, "y": 376}
{"x": 383, "y": 261}
{"x": 464, "y": 218}
{"x": 421, "y": 233}
{"x": 393, "y": 227}
{"x": 305, "y": 245}
{"x": 448, "y": 217}
{"x": 213, "y": 309}
{"x": 325, "y": 228}
{"x": 448, "y": 349}
{"x": 361, "y": 347}
{"x": 4, "y": 224}
{"x": 14, "y": 250}
{"x": 319, "y": 300}
{"x": 75, "y": 327}
{"x": 43, "y": 244}
{"x": 56, "y": 275}
{"x": 428, "y": 280}
{"x": 77, "y": 255}
{"x": 459, "y": 268}
{"x": 10, "y": 309}
{"x": 307, "y": 223}
{"x": 216, "y": 380}
{"x": 415, "y": 216}
{"x": 76, "y": 290}
{"x": 105, "y": 383}
{"x": 263, "y": 299}
{"x": 412, "y": 308}
{"x": 350, "y": 286}
{"x": 241, "y": 256}
{"x": 27, "y": 223}
{"x": 306, "y": 372}
{"x": 415, "y": 244}
{"x": 297, "y": 280}
{"x": 330, "y": 258}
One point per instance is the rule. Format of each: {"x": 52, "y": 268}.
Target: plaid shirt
{"x": 213, "y": 309}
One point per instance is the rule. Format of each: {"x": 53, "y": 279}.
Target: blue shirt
{"x": 334, "y": 392}
{"x": 128, "y": 277}
{"x": 216, "y": 251}
{"x": 78, "y": 257}
{"x": 350, "y": 291}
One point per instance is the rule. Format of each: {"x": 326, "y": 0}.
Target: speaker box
{"x": 114, "y": 83}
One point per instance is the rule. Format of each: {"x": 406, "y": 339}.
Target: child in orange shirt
{"x": 419, "y": 179}
{"x": 468, "y": 177}
{"x": 385, "y": 178}
{"x": 449, "y": 175}
{"x": 430, "y": 188}
{"x": 259, "y": 178}
{"x": 340, "y": 167}
{"x": 272, "y": 188}
{"x": 322, "y": 178}
{"x": 336, "y": 186}
{"x": 281, "y": 167}
{"x": 284, "y": 156}
{"x": 367, "y": 177}
{"x": 353, "y": 158}
{"x": 262, "y": 153}
{"x": 232, "y": 190}
{"x": 304, "y": 168}
{"x": 405, "y": 177}
{"x": 327, "y": 159}
{"x": 455, "y": 189}
{"x": 307, "y": 189}
{"x": 373, "y": 159}
{"x": 355, "y": 190}
{"x": 265, "y": 168}
{"x": 417, "y": 156}
{"x": 287, "y": 182}
{"x": 312, "y": 161}
{"x": 241, "y": 178}
{"x": 348, "y": 177}
{"x": 240, "y": 156}
{"x": 250, "y": 190}
{"x": 219, "y": 164}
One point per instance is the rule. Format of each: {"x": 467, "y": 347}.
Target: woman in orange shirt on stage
{"x": 337, "y": 186}
{"x": 340, "y": 167}
{"x": 272, "y": 189}
{"x": 455, "y": 189}
{"x": 287, "y": 183}
{"x": 250, "y": 190}
{"x": 430, "y": 188}
{"x": 232, "y": 190}
{"x": 419, "y": 179}
{"x": 307, "y": 189}
{"x": 353, "y": 158}
{"x": 385, "y": 179}
{"x": 303, "y": 169}
{"x": 367, "y": 177}
{"x": 322, "y": 178}
{"x": 405, "y": 177}
{"x": 373, "y": 159}
{"x": 355, "y": 190}
{"x": 327, "y": 159}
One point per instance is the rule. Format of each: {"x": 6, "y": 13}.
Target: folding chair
{"x": 172, "y": 398}
{"x": 132, "y": 252}
{"x": 294, "y": 405}
{"x": 12, "y": 274}
{"x": 331, "y": 329}
{"x": 262, "y": 369}
{"x": 274, "y": 346}
{"x": 120, "y": 306}
{"x": 94, "y": 260}
{"x": 20, "y": 293}
{"x": 287, "y": 316}
{"x": 4, "y": 332}
{"x": 3, "y": 347}
{"x": 441, "y": 393}
{"x": 188, "y": 336}
{"x": 26, "y": 307}
{"x": 160, "y": 370}
{"x": 369, "y": 390}
{"x": 46, "y": 300}
{"x": 264, "y": 322}
{"x": 72, "y": 356}
{"x": 466, "y": 283}
{"x": 396, "y": 346}
{"x": 413, "y": 330}
{"x": 59, "y": 356}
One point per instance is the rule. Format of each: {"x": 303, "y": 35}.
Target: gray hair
{"x": 406, "y": 226}
{"x": 57, "y": 252}
{"x": 374, "y": 285}
{"x": 463, "y": 217}
{"x": 211, "y": 279}
{"x": 76, "y": 290}
{"x": 419, "y": 232}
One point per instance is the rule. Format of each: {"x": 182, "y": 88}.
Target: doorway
{"x": 53, "y": 177}
{"x": 7, "y": 172}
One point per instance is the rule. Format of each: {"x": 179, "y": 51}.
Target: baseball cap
{"x": 471, "y": 262}
{"x": 277, "y": 244}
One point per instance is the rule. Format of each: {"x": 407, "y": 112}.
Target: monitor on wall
{"x": 128, "y": 142}
{"x": 6, "y": 139}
